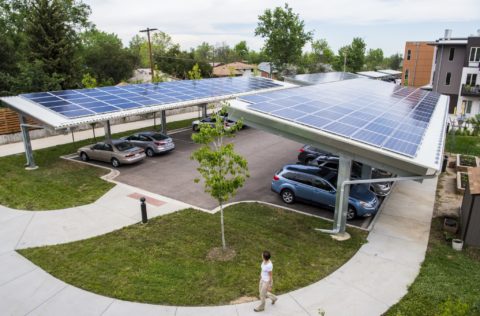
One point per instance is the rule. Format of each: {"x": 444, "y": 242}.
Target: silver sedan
{"x": 116, "y": 152}
{"x": 152, "y": 142}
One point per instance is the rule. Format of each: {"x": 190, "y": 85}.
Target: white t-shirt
{"x": 266, "y": 268}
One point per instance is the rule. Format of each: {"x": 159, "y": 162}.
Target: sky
{"x": 385, "y": 24}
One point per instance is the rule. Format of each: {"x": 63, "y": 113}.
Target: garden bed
{"x": 462, "y": 179}
{"x": 464, "y": 162}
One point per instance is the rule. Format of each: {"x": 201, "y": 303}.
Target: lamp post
{"x": 148, "y": 30}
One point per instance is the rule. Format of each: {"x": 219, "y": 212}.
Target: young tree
{"x": 285, "y": 35}
{"x": 195, "y": 73}
{"x": 222, "y": 169}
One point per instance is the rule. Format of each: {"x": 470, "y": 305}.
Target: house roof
{"x": 265, "y": 67}
{"x": 236, "y": 68}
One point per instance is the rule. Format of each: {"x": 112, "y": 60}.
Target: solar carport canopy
{"x": 67, "y": 108}
{"x": 322, "y": 77}
{"x": 383, "y": 125}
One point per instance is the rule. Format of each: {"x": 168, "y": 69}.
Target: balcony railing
{"x": 473, "y": 91}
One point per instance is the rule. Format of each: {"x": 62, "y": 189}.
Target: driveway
{"x": 172, "y": 174}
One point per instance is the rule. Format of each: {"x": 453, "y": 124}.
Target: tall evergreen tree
{"x": 50, "y": 28}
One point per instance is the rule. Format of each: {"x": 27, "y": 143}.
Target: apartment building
{"x": 456, "y": 72}
{"x": 417, "y": 64}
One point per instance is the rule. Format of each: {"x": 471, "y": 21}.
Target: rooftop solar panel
{"x": 324, "y": 77}
{"x": 377, "y": 113}
{"x": 87, "y": 102}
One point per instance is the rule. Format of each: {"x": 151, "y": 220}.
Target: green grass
{"x": 165, "y": 262}
{"x": 468, "y": 145}
{"x": 58, "y": 183}
{"x": 447, "y": 277}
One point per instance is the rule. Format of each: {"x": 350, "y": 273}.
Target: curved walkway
{"x": 375, "y": 278}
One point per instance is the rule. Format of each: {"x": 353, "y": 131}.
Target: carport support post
{"x": 204, "y": 110}
{"x": 366, "y": 171}
{"x": 108, "y": 132}
{"x": 164, "y": 121}
{"x": 27, "y": 144}
{"x": 343, "y": 192}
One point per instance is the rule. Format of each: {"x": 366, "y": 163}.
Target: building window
{"x": 447, "y": 78}
{"x": 406, "y": 74}
{"x": 474, "y": 54}
{"x": 452, "y": 53}
{"x": 471, "y": 79}
{"x": 467, "y": 106}
{"x": 405, "y": 78}
{"x": 409, "y": 53}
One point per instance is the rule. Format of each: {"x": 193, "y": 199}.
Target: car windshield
{"x": 123, "y": 146}
{"x": 158, "y": 136}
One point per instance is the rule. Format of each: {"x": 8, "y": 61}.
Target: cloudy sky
{"x": 385, "y": 24}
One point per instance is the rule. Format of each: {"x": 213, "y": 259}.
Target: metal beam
{"x": 30, "y": 165}
{"x": 343, "y": 192}
{"x": 204, "y": 109}
{"x": 164, "y": 121}
{"x": 108, "y": 132}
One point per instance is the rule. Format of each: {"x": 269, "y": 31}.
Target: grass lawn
{"x": 165, "y": 261}
{"x": 449, "y": 281}
{"x": 469, "y": 145}
{"x": 57, "y": 183}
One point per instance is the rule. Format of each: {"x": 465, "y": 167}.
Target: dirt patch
{"x": 243, "y": 299}
{"x": 218, "y": 254}
{"x": 448, "y": 201}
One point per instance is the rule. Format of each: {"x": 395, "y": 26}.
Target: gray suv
{"x": 152, "y": 142}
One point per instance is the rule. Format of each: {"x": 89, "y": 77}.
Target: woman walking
{"x": 266, "y": 282}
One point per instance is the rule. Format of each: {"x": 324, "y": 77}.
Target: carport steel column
{"x": 27, "y": 144}
{"x": 343, "y": 192}
{"x": 108, "y": 132}
{"x": 204, "y": 110}
{"x": 164, "y": 121}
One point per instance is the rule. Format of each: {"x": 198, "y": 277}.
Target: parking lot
{"x": 172, "y": 174}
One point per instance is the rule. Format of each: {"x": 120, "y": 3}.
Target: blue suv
{"x": 318, "y": 186}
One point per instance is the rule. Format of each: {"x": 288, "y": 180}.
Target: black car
{"x": 309, "y": 153}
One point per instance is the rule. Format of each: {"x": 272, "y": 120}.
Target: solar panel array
{"x": 377, "y": 113}
{"x": 324, "y": 77}
{"x": 87, "y": 102}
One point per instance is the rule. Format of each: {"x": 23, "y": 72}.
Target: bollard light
{"x": 143, "y": 208}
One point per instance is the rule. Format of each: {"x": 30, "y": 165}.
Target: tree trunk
{"x": 224, "y": 246}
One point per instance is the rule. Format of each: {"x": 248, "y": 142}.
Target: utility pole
{"x": 345, "y": 61}
{"x": 148, "y": 30}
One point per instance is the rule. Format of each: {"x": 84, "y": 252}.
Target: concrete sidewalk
{"x": 375, "y": 278}
{"x": 17, "y": 148}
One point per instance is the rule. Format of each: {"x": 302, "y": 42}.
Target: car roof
{"x": 116, "y": 141}
{"x": 325, "y": 173}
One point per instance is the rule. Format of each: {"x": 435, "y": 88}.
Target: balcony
{"x": 470, "y": 91}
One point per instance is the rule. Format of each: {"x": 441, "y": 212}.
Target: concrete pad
{"x": 123, "y": 308}
{"x": 12, "y": 231}
{"x": 36, "y": 287}
{"x": 12, "y": 266}
{"x": 395, "y": 249}
{"x": 384, "y": 280}
{"x": 7, "y": 214}
{"x": 73, "y": 301}
{"x": 206, "y": 311}
{"x": 335, "y": 297}
{"x": 286, "y": 305}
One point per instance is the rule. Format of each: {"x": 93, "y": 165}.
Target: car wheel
{"x": 195, "y": 128}
{"x": 288, "y": 196}
{"x": 351, "y": 213}
{"x": 115, "y": 162}
{"x": 84, "y": 156}
{"x": 149, "y": 152}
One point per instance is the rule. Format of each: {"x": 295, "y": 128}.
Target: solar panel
{"x": 324, "y": 77}
{"x": 86, "y": 102}
{"x": 377, "y": 113}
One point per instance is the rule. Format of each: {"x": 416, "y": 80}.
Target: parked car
{"x": 310, "y": 155}
{"x": 211, "y": 121}
{"x": 318, "y": 186}
{"x": 117, "y": 152}
{"x": 152, "y": 142}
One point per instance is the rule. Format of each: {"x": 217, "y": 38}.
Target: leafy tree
{"x": 393, "y": 62}
{"x": 161, "y": 43}
{"x": 178, "y": 63}
{"x": 475, "y": 122}
{"x": 318, "y": 60}
{"x": 222, "y": 169}
{"x": 241, "y": 50}
{"x": 204, "y": 52}
{"x": 355, "y": 56}
{"x": 374, "y": 59}
{"x": 52, "y": 38}
{"x": 223, "y": 53}
{"x": 195, "y": 73}
{"x": 105, "y": 57}
{"x": 88, "y": 81}
{"x": 285, "y": 35}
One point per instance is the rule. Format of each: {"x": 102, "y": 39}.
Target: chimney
{"x": 448, "y": 34}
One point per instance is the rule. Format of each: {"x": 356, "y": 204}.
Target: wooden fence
{"x": 9, "y": 121}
